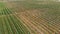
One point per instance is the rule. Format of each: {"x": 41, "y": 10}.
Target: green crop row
{"x": 11, "y": 25}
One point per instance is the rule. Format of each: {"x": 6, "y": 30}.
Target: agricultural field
{"x": 29, "y": 17}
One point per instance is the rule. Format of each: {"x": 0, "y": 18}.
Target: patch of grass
{"x": 2, "y": 5}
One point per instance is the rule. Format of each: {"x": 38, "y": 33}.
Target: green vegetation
{"x": 2, "y": 5}
{"x": 10, "y": 23}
